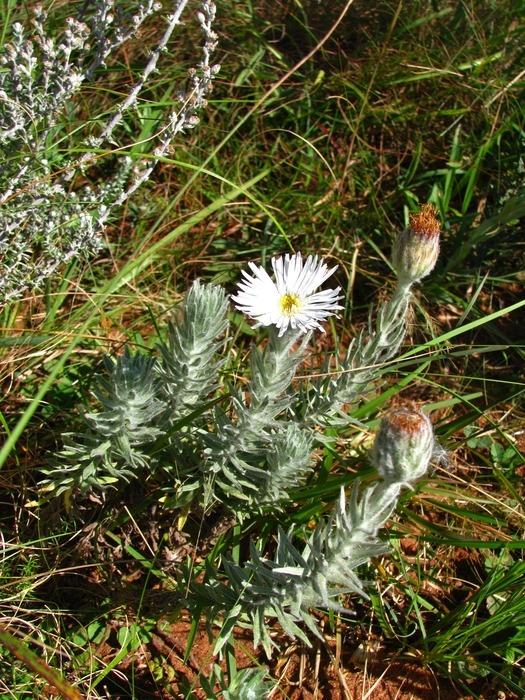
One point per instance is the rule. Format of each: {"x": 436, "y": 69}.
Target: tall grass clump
{"x": 261, "y": 358}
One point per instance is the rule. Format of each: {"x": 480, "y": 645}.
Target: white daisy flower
{"x": 289, "y": 302}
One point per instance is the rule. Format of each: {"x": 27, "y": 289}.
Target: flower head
{"x": 404, "y": 445}
{"x": 290, "y": 300}
{"x": 416, "y": 250}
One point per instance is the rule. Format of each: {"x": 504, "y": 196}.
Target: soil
{"x": 362, "y": 672}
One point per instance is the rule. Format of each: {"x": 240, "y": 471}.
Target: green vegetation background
{"x": 324, "y": 132}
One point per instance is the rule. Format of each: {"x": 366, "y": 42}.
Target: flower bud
{"x": 416, "y": 250}
{"x": 404, "y": 445}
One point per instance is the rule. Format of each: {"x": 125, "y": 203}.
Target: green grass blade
{"x": 514, "y": 209}
{"x": 38, "y": 666}
{"x": 463, "y": 329}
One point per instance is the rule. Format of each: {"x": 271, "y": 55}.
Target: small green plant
{"x": 170, "y": 418}
{"x": 247, "y": 684}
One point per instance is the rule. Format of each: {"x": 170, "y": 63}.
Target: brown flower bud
{"x": 404, "y": 445}
{"x": 416, "y": 250}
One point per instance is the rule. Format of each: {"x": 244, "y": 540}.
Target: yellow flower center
{"x": 290, "y": 304}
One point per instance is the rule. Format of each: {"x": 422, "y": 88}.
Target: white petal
{"x": 261, "y": 298}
